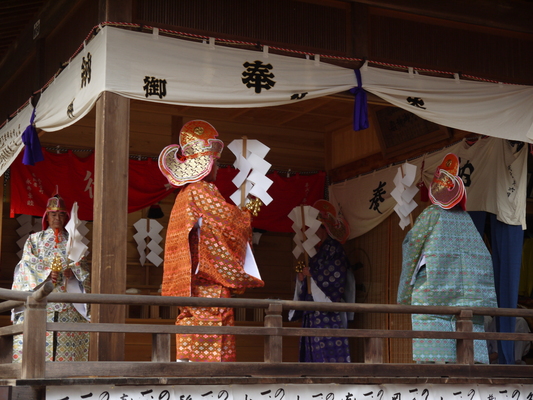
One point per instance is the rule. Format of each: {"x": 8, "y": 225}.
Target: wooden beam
{"x": 110, "y": 220}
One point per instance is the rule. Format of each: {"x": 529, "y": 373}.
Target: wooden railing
{"x": 162, "y": 366}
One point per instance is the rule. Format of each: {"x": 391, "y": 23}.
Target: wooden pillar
{"x": 465, "y": 347}
{"x": 2, "y": 179}
{"x": 273, "y": 344}
{"x": 110, "y": 221}
{"x": 34, "y": 334}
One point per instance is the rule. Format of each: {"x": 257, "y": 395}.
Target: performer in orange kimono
{"x": 206, "y": 244}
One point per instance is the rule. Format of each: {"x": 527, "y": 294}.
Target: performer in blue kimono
{"x": 328, "y": 271}
{"x": 446, "y": 263}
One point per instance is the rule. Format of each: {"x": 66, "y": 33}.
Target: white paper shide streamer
{"x": 252, "y": 168}
{"x": 28, "y": 225}
{"x": 148, "y": 239}
{"x": 305, "y": 224}
{"x": 77, "y": 242}
{"x": 404, "y": 193}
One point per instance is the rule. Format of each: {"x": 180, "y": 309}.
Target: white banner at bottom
{"x": 294, "y": 392}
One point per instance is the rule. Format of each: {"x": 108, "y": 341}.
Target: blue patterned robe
{"x": 457, "y": 272}
{"x": 328, "y": 269}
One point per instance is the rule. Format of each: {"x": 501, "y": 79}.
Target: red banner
{"x": 32, "y": 186}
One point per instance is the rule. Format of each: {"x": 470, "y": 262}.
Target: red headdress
{"x": 199, "y": 150}
{"x": 55, "y": 203}
{"x": 334, "y": 222}
{"x": 447, "y": 188}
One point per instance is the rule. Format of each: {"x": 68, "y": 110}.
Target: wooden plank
{"x": 110, "y": 220}
{"x": 262, "y": 380}
{"x": 173, "y": 369}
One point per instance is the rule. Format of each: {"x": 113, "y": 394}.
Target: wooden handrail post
{"x": 6, "y": 349}
{"x": 465, "y": 347}
{"x": 34, "y": 334}
{"x": 273, "y": 344}
{"x": 161, "y": 347}
{"x": 373, "y": 350}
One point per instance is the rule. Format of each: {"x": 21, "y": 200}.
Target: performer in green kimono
{"x": 446, "y": 263}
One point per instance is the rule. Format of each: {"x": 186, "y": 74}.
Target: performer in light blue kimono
{"x": 329, "y": 273}
{"x": 446, "y": 263}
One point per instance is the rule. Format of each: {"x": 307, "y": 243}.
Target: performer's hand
{"x": 301, "y": 276}
{"x": 306, "y": 271}
{"x": 54, "y": 275}
{"x": 68, "y": 273}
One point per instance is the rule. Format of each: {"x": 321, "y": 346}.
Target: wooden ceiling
{"x": 15, "y": 16}
{"x": 296, "y": 133}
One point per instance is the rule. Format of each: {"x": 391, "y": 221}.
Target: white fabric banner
{"x": 75, "y": 90}
{"x": 155, "y": 68}
{"x": 415, "y": 391}
{"x": 497, "y": 110}
{"x": 11, "y": 137}
{"x": 494, "y": 172}
{"x": 162, "y": 69}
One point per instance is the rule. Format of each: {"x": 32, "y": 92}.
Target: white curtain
{"x": 151, "y": 67}
{"x": 498, "y": 110}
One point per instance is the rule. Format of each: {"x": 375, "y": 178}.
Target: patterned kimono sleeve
{"x": 28, "y": 273}
{"x": 412, "y": 248}
{"x": 81, "y": 272}
{"x": 230, "y": 229}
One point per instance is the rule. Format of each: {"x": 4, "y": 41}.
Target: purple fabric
{"x": 32, "y": 152}
{"x": 328, "y": 269}
{"x": 360, "y": 110}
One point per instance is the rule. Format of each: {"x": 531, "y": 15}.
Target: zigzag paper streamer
{"x": 252, "y": 171}
{"x": 151, "y": 250}
{"x": 28, "y": 225}
{"x": 404, "y": 193}
{"x": 77, "y": 242}
{"x": 305, "y": 238}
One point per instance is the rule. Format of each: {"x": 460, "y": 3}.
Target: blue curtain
{"x": 506, "y": 243}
